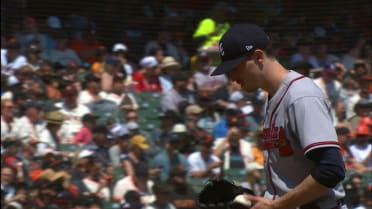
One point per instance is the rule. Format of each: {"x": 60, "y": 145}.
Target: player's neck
{"x": 274, "y": 76}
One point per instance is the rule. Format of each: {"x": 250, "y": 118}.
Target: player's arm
{"x": 326, "y": 174}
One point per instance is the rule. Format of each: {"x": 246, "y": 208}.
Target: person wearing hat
{"x": 34, "y": 58}
{"x": 120, "y": 50}
{"x": 179, "y": 93}
{"x": 112, "y": 69}
{"x": 49, "y": 138}
{"x": 203, "y": 163}
{"x": 147, "y": 78}
{"x": 122, "y": 138}
{"x": 296, "y": 107}
{"x": 169, "y": 158}
{"x": 138, "y": 150}
{"x": 168, "y": 67}
{"x": 85, "y": 135}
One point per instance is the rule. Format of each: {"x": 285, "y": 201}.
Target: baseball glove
{"x": 222, "y": 194}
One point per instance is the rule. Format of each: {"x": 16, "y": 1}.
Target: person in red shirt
{"x": 147, "y": 78}
{"x": 85, "y": 136}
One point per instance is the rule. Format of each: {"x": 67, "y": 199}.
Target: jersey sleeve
{"x": 310, "y": 120}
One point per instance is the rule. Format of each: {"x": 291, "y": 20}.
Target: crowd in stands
{"x": 85, "y": 125}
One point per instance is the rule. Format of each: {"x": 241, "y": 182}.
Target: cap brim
{"x": 226, "y": 66}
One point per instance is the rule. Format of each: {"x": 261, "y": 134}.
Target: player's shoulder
{"x": 304, "y": 87}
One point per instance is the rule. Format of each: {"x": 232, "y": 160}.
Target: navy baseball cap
{"x": 237, "y": 43}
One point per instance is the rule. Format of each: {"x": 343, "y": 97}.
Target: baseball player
{"x": 303, "y": 165}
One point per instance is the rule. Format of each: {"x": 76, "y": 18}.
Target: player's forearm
{"x": 307, "y": 191}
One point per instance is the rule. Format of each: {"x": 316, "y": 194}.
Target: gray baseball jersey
{"x": 298, "y": 119}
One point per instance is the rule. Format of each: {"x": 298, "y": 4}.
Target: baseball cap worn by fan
{"x": 119, "y": 47}
{"x": 237, "y": 43}
{"x": 140, "y": 141}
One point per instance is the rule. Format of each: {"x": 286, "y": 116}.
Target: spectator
{"x": 34, "y": 58}
{"x": 91, "y": 92}
{"x": 255, "y": 118}
{"x": 7, "y": 119}
{"x": 99, "y": 144}
{"x": 183, "y": 197}
{"x": 222, "y": 94}
{"x": 361, "y": 109}
{"x": 322, "y": 56}
{"x": 72, "y": 110}
{"x": 112, "y": 70}
{"x": 339, "y": 115}
{"x": 304, "y": 53}
{"x": 204, "y": 82}
{"x": 29, "y": 126}
{"x": 163, "y": 41}
{"x": 84, "y": 135}
{"x": 120, "y": 50}
{"x": 167, "y": 121}
{"x": 169, "y": 66}
{"x": 242, "y": 104}
{"x": 8, "y": 181}
{"x": 124, "y": 100}
{"x": 30, "y": 33}
{"x": 220, "y": 130}
{"x": 95, "y": 180}
{"x": 162, "y": 192}
{"x": 303, "y": 68}
{"x": 50, "y": 137}
{"x": 362, "y": 147}
{"x": 62, "y": 54}
{"x": 98, "y": 66}
{"x": 121, "y": 147}
{"x": 238, "y": 153}
{"x": 328, "y": 83}
{"x": 349, "y": 94}
{"x": 147, "y": 78}
{"x": 135, "y": 155}
{"x": 343, "y": 137}
{"x": 139, "y": 183}
{"x": 11, "y": 58}
{"x": 179, "y": 93}
{"x": 169, "y": 158}
{"x": 203, "y": 163}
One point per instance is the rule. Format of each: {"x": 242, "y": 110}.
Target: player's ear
{"x": 258, "y": 55}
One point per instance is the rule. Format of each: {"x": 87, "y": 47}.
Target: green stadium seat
{"x": 196, "y": 184}
{"x": 69, "y": 147}
{"x": 235, "y": 174}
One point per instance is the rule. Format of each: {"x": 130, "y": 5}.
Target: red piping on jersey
{"x": 271, "y": 118}
{"x": 319, "y": 143}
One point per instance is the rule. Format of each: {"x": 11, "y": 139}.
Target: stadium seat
{"x": 196, "y": 184}
{"x": 69, "y": 147}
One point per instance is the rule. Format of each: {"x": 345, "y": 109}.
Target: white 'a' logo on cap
{"x": 222, "y": 52}
{"x": 248, "y": 47}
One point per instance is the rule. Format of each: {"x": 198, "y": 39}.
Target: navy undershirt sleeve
{"x": 329, "y": 167}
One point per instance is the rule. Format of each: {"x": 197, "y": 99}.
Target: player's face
{"x": 247, "y": 75}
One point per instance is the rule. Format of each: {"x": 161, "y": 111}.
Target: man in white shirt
{"x": 11, "y": 58}
{"x": 91, "y": 92}
{"x": 72, "y": 111}
{"x": 29, "y": 126}
{"x": 203, "y": 163}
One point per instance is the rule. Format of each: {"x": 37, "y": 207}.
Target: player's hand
{"x": 260, "y": 202}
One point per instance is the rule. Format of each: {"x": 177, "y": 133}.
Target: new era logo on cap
{"x": 237, "y": 43}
